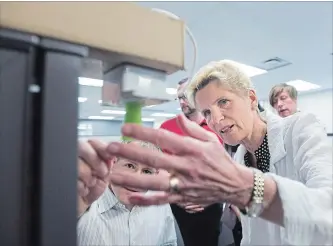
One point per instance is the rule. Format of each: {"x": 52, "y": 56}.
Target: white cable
{"x": 190, "y": 34}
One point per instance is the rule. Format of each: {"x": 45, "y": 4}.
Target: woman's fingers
{"x": 159, "y": 198}
{"x": 194, "y": 208}
{"x": 143, "y": 155}
{"x": 145, "y": 182}
{"x": 194, "y": 130}
{"x": 194, "y": 211}
{"x": 100, "y": 148}
{"x": 85, "y": 174}
{"x": 82, "y": 189}
{"x": 89, "y": 155}
{"x": 155, "y": 199}
{"x": 236, "y": 211}
{"x": 166, "y": 140}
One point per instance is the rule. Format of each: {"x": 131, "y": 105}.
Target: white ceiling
{"x": 250, "y": 33}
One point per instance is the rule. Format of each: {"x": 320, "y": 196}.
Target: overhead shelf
{"x": 115, "y": 32}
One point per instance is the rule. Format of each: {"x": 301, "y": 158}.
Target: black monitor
{"x": 38, "y": 139}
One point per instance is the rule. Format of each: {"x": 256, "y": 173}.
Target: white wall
{"x": 320, "y": 104}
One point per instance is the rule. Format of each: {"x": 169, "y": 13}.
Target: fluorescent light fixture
{"x": 249, "y": 70}
{"x": 150, "y": 106}
{"x": 90, "y": 82}
{"x": 163, "y": 115}
{"x": 100, "y": 101}
{"x": 179, "y": 109}
{"x": 100, "y": 117}
{"x": 171, "y": 91}
{"x": 148, "y": 119}
{"x": 118, "y": 112}
{"x": 82, "y": 99}
{"x": 84, "y": 127}
{"x": 302, "y": 85}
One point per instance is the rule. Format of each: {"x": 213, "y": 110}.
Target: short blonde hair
{"x": 225, "y": 72}
{"x": 278, "y": 89}
{"x": 143, "y": 144}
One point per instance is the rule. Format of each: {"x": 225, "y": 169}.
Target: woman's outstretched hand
{"x": 205, "y": 171}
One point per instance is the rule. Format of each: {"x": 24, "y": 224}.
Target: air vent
{"x": 273, "y": 63}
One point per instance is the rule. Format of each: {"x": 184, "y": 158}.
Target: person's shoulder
{"x": 301, "y": 120}
{"x": 89, "y": 219}
{"x": 169, "y": 123}
{"x": 300, "y": 123}
{"x": 90, "y": 227}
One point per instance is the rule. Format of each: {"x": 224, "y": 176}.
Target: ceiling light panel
{"x": 117, "y": 112}
{"x": 82, "y": 99}
{"x": 163, "y": 115}
{"x": 302, "y": 85}
{"x": 249, "y": 70}
{"x": 90, "y": 82}
{"x": 100, "y": 117}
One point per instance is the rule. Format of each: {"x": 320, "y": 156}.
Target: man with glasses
{"x": 198, "y": 225}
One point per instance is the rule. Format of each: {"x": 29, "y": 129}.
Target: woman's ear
{"x": 253, "y": 99}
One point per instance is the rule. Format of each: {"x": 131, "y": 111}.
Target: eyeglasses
{"x": 181, "y": 97}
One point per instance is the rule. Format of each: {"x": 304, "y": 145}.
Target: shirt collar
{"x": 107, "y": 201}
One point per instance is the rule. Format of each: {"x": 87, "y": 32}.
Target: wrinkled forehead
{"x": 280, "y": 92}
{"x": 149, "y": 146}
{"x": 209, "y": 95}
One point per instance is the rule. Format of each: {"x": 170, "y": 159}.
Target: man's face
{"x": 126, "y": 166}
{"x": 184, "y": 104}
{"x": 284, "y": 104}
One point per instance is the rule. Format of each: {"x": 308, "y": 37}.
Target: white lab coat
{"x": 301, "y": 165}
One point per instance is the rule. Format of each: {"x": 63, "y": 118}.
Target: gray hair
{"x": 278, "y": 89}
{"x": 142, "y": 144}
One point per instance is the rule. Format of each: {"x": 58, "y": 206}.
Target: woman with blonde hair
{"x": 280, "y": 177}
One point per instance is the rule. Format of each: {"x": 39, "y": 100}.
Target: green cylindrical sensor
{"x": 133, "y": 114}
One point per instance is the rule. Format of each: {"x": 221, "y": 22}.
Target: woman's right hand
{"x": 94, "y": 165}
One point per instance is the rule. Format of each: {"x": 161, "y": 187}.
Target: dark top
{"x": 199, "y": 229}
{"x": 202, "y": 228}
{"x": 262, "y": 155}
